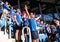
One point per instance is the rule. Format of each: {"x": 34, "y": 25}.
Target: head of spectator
{"x": 15, "y": 10}
{"x": 32, "y": 15}
{"x": 42, "y": 22}
{"x": 53, "y": 24}
{"x": 41, "y": 31}
{"x": 24, "y": 13}
{"x": 6, "y": 3}
{"x": 38, "y": 21}
{"x": 56, "y": 21}
{"x": 18, "y": 11}
{"x": 47, "y": 25}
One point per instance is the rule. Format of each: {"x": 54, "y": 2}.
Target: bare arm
{"x": 38, "y": 17}
{"x": 27, "y": 11}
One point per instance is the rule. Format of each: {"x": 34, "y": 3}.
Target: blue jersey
{"x": 26, "y": 23}
{"x": 5, "y": 6}
{"x": 32, "y": 23}
{"x": 18, "y": 18}
{"x": 11, "y": 12}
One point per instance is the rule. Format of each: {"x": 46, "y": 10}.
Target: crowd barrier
{"x": 28, "y": 33}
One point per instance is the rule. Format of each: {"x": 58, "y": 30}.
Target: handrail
{"x": 28, "y": 33}
{"x": 9, "y": 27}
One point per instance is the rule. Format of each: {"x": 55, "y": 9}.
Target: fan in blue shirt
{"x": 11, "y": 11}
{"x": 6, "y": 6}
{"x": 32, "y": 23}
{"x": 18, "y": 18}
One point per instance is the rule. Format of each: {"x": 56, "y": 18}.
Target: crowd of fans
{"x": 41, "y": 31}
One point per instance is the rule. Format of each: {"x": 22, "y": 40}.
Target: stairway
{"x": 4, "y": 37}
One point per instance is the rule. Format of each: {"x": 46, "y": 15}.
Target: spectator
{"x": 32, "y": 23}
{"x": 12, "y": 11}
{"x": 42, "y": 36}
{"x": 42, "y": 25}
{"x": 18, "y": 27}
{"x": 6, "y": 5}
{"x": 25, "y": 19}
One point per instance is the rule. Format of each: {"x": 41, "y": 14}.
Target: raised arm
{"x": 26, "y": 8}
{"x": 38, "y": 17}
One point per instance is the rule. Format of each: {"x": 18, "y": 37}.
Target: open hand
{"x": 26, "y": 7}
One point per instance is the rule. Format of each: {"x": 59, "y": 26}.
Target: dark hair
{"x": 53, "y": 23}
{"x": 41, "y": 31}
{"x": 32, "y": 12}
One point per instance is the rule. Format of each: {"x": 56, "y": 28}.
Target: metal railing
{"x": 28, "y": 33}
{"x": 10, "y": 24}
